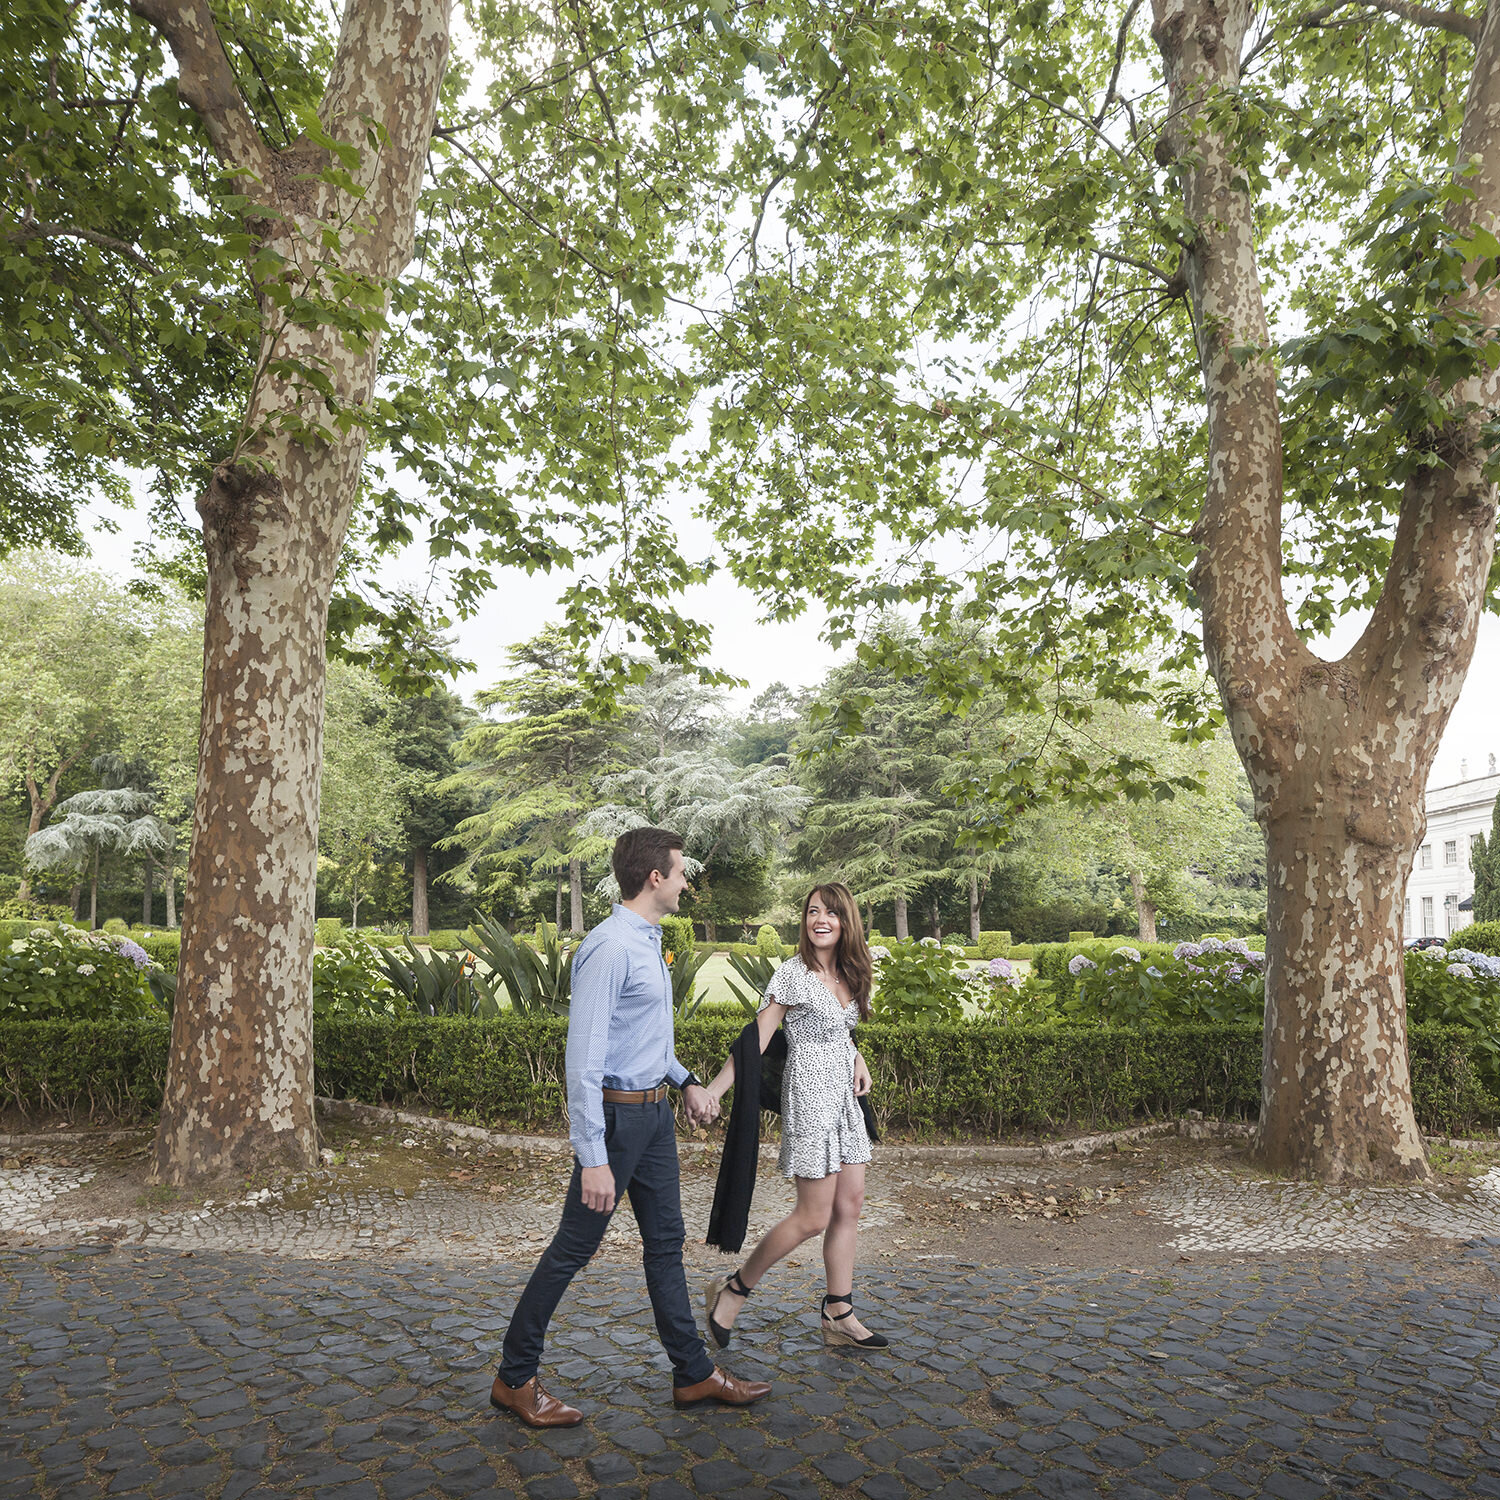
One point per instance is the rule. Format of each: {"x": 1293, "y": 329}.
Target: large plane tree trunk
{"x": 239, "y": 1074}
{"x": 1337, "y": 752}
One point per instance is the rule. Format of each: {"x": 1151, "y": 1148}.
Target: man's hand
{"x": 701, "y": 1106}
{"x": 598, "y": 1189}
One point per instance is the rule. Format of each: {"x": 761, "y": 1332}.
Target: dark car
{"x": 1414, "y": 945}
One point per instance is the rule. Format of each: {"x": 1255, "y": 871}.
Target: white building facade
{"x": 1440, "y": 889}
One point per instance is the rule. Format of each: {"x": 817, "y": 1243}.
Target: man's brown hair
{"x": 638, "y": 853}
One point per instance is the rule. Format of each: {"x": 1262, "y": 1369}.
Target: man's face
{"x": 669, "y": 887}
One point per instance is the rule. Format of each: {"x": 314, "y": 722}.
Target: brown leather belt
{"x": 635, "y": 1096}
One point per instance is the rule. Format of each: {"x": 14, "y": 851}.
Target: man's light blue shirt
{"x": 619, "y": 1024}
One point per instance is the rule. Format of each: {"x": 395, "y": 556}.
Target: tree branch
{"x": 1421, "y": 15}
{"x": 1247, "y": 633}
{"x": 206, "y": 83}
{"x": 1114, "y": 77}
{"x": 41, "y": 231}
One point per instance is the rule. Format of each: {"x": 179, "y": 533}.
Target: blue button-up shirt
{"x": 619, "y": 1024}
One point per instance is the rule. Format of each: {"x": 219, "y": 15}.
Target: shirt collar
{"x": 636, "y": 920}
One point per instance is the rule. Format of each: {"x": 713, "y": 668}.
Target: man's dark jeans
{"x": 641, "y": 1140}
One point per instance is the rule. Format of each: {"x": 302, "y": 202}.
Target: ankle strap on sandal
{"x": 734, "y": 1283}
{"x": 838, "y": 1297}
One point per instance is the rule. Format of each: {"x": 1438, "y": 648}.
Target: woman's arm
{"x": 766, "y": 1022}
{"x": 862, "y": 1080}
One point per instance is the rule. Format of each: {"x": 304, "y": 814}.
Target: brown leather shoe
{"x": 533, "y": 1405}
{"x": 721, "y": 1386}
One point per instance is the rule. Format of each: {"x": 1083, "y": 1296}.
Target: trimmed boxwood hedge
{"x": 976, "y": 1078}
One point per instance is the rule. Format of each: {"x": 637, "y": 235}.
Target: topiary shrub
{"x": 768, "y": 941}
{"x": 164, "y": 947}
{"x": 327, "y": 930}
{"x": 994, "y": 945}
{"x": 677, "y": 936}
{"x": 1080, "y": 937}
{"x": 1481, "y": 937}
{"x": 117, "y": 927}
{"x": 1021, "y": 953}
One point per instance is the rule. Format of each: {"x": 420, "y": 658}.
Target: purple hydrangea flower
{"x": 1078, "y": 963}
{"x": 1132, "y": 954}
{"x": 1186, "y": 950}
{"x": 127, "y": 948}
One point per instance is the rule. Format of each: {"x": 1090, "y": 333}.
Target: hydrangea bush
{"x": 1209, "y": 980}
{"x": 60, "y": 973}
{"x": 1461, "y": 987}
{"x": 920, "y": 981}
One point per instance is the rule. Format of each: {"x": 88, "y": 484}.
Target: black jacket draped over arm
{"x": 757, "y": 1086}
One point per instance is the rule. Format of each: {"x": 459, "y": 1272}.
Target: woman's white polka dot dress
{"x": 822, "y": 1127}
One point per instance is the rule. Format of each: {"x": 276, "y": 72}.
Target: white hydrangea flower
{"x": 1132, "y": 954}
{"x": 1078, "y": 963}
{"x": 878, "y": 952}
{"x": 86, "y": 969}
{"x": 1460, "y": 971}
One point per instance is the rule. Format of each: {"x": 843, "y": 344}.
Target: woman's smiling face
{"x": 822, "y": 923}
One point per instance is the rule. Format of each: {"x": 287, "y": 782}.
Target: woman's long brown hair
{"x": 852, "y": 956}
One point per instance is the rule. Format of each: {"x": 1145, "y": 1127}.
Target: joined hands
{"x": 701, "y": 1107}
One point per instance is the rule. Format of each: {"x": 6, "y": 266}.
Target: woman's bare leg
{"x": 815, "y": 1197}
{"x": 839, "y": 1241}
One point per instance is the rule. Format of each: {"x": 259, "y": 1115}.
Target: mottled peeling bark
{"x": 1337, "y": 753}
{"x": 239, "y": 1087}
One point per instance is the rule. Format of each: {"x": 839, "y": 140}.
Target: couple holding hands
{"x": 621, "y": 1063}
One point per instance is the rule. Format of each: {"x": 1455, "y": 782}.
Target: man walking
{"x": 620, "y": 1062}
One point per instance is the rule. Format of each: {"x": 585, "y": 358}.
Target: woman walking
{"x": 820, "y": 993}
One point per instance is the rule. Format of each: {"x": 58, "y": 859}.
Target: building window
{"x": 1450, "y": 913}
{"x": 1428, "y": 927}
{"x": 1424, "y": 861}
{"x": 1450, "y": 851}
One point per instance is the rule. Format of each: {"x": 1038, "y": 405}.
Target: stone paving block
{"x": 840, "y": 1468}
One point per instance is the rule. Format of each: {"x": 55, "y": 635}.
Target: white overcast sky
{"x": 796, "y": 654}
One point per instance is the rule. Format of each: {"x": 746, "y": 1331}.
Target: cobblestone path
{"x": 147, "y": 1372}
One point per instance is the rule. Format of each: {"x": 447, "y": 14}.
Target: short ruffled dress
{"x": 822, "y": 1128}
